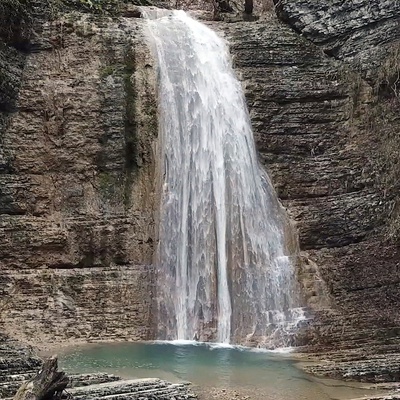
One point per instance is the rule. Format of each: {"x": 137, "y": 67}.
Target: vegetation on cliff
{"x": 15, "y": 20}
{"x": 385, "y": 122}
{"x": 111, "y": 7}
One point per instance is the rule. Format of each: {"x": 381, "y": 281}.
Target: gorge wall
{"x": 318, "y": 122}
{"x": 76, "y": 183}
{"x": 76, "y": 193}
{"x": 358, "y": 248}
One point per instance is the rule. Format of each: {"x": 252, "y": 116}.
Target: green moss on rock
{"x": 107, "y": 184}
{"x": 16, "y": 19}
{"x": 108, "y": 7}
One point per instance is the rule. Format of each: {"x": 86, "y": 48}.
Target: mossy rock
{"x": 16, "y": 19}
{"x": 107, "y": 7}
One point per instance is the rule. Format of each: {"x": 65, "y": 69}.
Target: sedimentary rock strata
{"x": 77, "y": 181}
{"x": 360, "y": 33}
{"x": 17, "y": 364}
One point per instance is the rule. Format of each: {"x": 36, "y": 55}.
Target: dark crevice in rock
{"x": 322, "y": 196}
{"x": 311, "y": 99}
{"x": 11, "y": 212}
{"x": 134, "y": 13}
{"x": 6, "y": 108}
{"x": 377, "y": 286}
{"x": 62, "y": 266}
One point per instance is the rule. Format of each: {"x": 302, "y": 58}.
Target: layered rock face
{"x": 76, "y": 182}
{"x": 361, "y": 32}
{"x": 357, "y": 249}
{"x": 325, "y": 133}
{"x": 17, "y": 364}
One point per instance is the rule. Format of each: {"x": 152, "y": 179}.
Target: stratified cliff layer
{"x": 324, "y": 97}
{"x": 359, "y": 32}
{"x": 78, "y": 116}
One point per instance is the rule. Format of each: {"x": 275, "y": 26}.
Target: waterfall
{"x": 224, "y": 268}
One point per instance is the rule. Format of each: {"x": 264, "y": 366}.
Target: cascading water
{"x": 224, "y": 269}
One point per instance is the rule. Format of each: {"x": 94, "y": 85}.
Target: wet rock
{"x": 300, "y": 107}
{"x": 17, "y": 364}
{"x": 90, "y": 379}
{"x": 311, "y": 115}
{"x": 374, "y": 369}
{"x": 77, "y": 128}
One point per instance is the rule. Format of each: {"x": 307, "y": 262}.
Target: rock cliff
{"x": 76, "y": 180}
{"x": 360, "y": 32}
{"x": 335, "y": 170}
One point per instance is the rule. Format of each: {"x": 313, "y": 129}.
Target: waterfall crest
{"x": 225, "y": 272}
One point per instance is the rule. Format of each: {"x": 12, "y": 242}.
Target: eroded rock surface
{"x": 319, "y": 130}
{"x": 359, "y": 32}
{"x": 77, "y": 173}
{"x": 315, "y": 118}
{"x": 17, "y": 364}
{"x": 77, "y": 181}
{"x": 151, "y": 388}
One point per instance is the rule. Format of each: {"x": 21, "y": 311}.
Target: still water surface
{"x": 269, "y": 375}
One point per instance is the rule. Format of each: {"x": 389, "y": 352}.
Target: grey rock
{"x": 76, "y": 182}
{"x": 150, "y": 388}
{"x": 311, "y": 115}
{"x": 359, "y": 32}
{"x": 17, "y": 364}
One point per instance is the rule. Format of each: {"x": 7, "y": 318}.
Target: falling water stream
{"x": 225, "y": 264}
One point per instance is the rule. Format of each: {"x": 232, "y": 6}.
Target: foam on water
{"x": 216, "y": 345}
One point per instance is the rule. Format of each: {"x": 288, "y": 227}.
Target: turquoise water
{"x": 269, "y": 375}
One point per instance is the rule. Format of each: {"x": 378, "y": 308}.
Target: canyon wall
{"x": 76, "y": 180}
{"x": 350, "y": 221}
{"x": 77, "y": 169}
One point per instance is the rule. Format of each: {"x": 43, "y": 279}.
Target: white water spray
{"x": 224, "y": 272}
